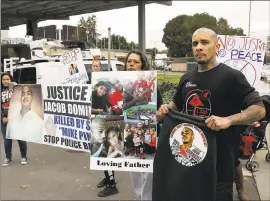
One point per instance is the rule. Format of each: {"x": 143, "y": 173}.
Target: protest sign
{"x": 73, "y": 61}
{"x": 66, "y": 116}
{"x": 95, "y": 52}
{"x": 123, "y": 124}
{"x": 25, "y": 116}
{"x": 243, "y": 53}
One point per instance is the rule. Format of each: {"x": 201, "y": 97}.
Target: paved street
{"x": 57, "y": 174}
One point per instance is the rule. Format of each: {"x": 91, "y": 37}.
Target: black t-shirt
{"x": 185, "y": 160}
{"x": 159, "y": 103}
{"x": 5, "y": 99}
{"x": 221, "y": 91}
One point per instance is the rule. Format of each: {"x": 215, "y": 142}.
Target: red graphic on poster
{"x": 245, "y": 67}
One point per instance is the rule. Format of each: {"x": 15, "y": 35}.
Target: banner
{"x": 123, "y": 124}
{"x": 25, "y": 115}
{"x": 67, "y": 109}
{"x": 73, "y": 61}
{"x": 243, "y": 53}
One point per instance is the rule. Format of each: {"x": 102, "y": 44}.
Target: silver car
{"x": 265, "y": 74}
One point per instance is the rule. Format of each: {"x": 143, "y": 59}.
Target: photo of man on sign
{"x": 26, "y": 114}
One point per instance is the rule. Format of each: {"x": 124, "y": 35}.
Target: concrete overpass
{"x": 19, "y": 12}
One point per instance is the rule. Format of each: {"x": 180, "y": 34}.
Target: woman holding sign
{"x": 6, "y": 81}
{"x": 141, "y": 181}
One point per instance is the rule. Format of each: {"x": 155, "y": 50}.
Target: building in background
{"x": 67, "y": 33}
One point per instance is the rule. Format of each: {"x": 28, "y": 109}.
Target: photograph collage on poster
{"x": 124, "y": 115}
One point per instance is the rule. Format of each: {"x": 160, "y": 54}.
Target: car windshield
{"x": 25, "y": 75}
{"x": 120, "y": 67}
{"x": 104, "y": 67}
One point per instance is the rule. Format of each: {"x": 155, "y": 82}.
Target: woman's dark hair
{"x": 145, "y": 64}
{"x": 2, "y": 75}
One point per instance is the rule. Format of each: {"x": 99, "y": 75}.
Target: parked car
{"x": 115, "y": 65}
{"x": 168, "y": 68}
{"x": 265, "y": 74}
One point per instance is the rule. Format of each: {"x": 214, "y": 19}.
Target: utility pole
{"x": 67, "y": 32}
{"x": 118, "y": 43}
{"x": 249, "y": 18}
{"x": 109, "y": 48}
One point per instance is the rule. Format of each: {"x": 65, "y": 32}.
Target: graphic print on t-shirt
{"x": 197, "y": 102}
{"x": 188, "y": 144}
{"x": 6, "y": 95}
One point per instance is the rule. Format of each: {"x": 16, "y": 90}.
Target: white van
{"x": 50, "y": 70}
{"x": 38, "y": 71}
{"x": 114, "y": 66}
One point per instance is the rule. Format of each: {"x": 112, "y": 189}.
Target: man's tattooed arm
{"x": 250, "y": 115}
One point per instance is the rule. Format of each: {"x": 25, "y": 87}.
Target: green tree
{"x": 87, "y": 29}
{"x": 178, "y": 31}
{"x": 117, "y": 42}
{"x": 163, "y": 52}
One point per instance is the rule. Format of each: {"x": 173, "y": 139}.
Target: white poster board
{"x": 73, "y": 60}
{"x": 123, "y": 127}
{"x": 243, "y": 53}
{"x": 66, "y": 116}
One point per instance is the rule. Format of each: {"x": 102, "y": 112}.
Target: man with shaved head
{"x": 222, "y": 97}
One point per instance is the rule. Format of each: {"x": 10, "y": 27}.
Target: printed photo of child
{"x": 112, "y": 100}
{"x": 107, "y": 138}
{"x": 115, "y": 143}
{"x": 100, "y": 95}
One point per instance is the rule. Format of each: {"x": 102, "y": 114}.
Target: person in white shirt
{"x": 26, "y": 125}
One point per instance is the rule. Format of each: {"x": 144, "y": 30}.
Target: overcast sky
{"x": 125, "y": 21}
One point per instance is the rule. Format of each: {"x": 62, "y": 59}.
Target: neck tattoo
{"x": 207, "y": 66}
